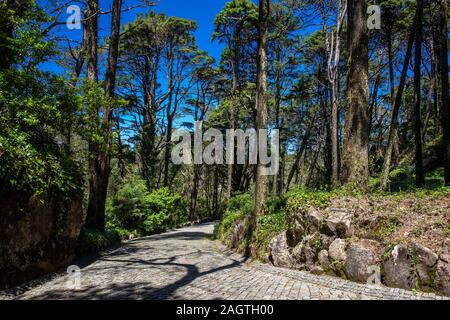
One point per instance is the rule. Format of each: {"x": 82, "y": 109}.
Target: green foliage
{"x": 38, "y": 112}
{"x": 236, "y": 18}
{"x": 243, "y": 203}
{"x": 92, "y": 241}
{"x": 223, "y": 229}
{"x": 136, "y": 209}
{"x": 301, "y": 200}
{"x": 268, "y": 227}
{"x": 237, "y": 208}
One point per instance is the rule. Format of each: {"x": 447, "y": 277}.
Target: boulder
{"x": 338, "y": 223}
{"x": 296, "y": 232}
{"x": 316, "y": 219}
{"x": 442, "y": 281}
{"x": 424, "y": 255}
{"x": 337, "y": 250}
{"x": 326, "y": 241}
{"x": 425, "y": 262}
{"x": 317, "y": 270}
{"x": 399, "y": 269}
{"x": 304, "y": 256}
{"x": 361, "y": 256}
{"x": 324, "y": 260}
{"x": 279, "y": 252}
{"x": 238, "y": 233}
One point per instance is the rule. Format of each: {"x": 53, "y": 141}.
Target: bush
{"x": 268, "y": 227}
{"x": 92, "y": 241}
{"x": 135, "y": 209}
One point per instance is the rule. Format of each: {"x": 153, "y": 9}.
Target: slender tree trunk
{"x": 261, "y": 105}
{"x": 92, "y": 218}
{"x": 232, "y": 112}
{"x": 333, "y": 70}
{"x": 80, "y": 60}
{"x": 276, "y": 188}
{"x": 445, "y": 87}
{"x": 431, "y": 90}
{"x": 355, "y": 169}
{"x": 97, "y": 200}
{"x": 420, "y": 177}
{"x": 313, "y": 165}
{"x": 395, "y": 111}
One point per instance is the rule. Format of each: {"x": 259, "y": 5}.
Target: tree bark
{"x": 261, "y": 105}
{"x": 420, "y": 176}
{"x": 333, "y": 74}
{"x": 102, "y": 165}
{"x": 355, "y": 169}
{"x": 443, "y": 30}
{"x": 395, "y": 111}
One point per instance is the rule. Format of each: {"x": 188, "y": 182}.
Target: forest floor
{"x": 187, "y": 264}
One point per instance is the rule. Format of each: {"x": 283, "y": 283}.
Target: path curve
{"x": 186, "y": 264}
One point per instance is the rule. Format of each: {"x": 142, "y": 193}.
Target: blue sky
{"x": 201, "y": 11}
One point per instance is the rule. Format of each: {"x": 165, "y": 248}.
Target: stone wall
{"x": 325, "y": 242}
{"x": 36, "y": 237}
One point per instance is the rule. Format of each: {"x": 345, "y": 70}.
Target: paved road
{"x": 186, "y": 264}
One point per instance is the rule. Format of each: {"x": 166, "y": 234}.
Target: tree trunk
{"x": 355, "y": 169}
{"x": 102, "y": 167}
{"x": 333, "y": 71}
{"x": 194, "y": 193}
{"x": 261, "y": 105}
{"x": 420, "y": 177}
{"x": 431, "y": 89}
{"x": 395, "y": 111}
{"x": 445, "y": 87}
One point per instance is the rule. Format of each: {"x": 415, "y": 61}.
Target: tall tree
{"x": 234, "y": 27}
{"x": 420, "y": 176}
{"x": 261, "y": 103}
{"x": 333, "y": 76}
{"x": 355, "y": 162}
{"x": 443, "y": 35}
{"x": 396, "y": 109}
{"x": 101, "y": 159}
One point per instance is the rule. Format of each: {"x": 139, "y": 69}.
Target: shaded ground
{"x": 186, "y": 264}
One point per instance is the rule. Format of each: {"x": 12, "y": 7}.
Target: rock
{"x": 326, "y": 241}
{"x": 317, "y": 270}
{"x": 295, "y": 233}
{"x": 238, "y": 233}
{"x": 316, "y": 218}
{"x": 445, "y": 252}
{"x": 309, "y": 254}
{"x": 424, "y": 274}
{"x": 339, "y": 223}
{"x": 442, "y": 281}
{"x": 324, "y": 260}
{"x": 304, "y": 256}
{"x": 361, "y": 256}
{"x": 399, "y": 270}
{"x": 424, "y": 255}
{"x": 337, "y": 250}
{"x": 279, "y": 252}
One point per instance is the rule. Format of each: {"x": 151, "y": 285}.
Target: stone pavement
{"x": 186, "y": 264}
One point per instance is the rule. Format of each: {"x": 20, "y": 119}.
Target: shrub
{"x": 268, "y": 227}
{"x": 135, "y": 209}
{"x": 92, "y": 241}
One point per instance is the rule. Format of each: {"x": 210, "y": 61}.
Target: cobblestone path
{"x": 186, "y": 264}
